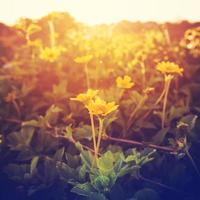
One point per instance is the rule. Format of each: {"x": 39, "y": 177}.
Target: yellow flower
{"x": 51, "y": 54}
{"x": 83, "y": 59}
{"x": 124, "y": 82}
{"x": 86, "y": 97}
{"x": 169, "y": 68}
{"x": 100, "y": 107}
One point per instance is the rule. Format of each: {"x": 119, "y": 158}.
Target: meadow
{"x": 106, "y": 112}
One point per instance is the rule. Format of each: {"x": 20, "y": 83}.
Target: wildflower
{"x": 83, "y": 59}
{"x": 11, "y": 96}
{"x": 100, "y": 107}
{"x": 35, "y": 43}
{"x": 51, "y": 54}
{"x": 124, "y": 82}
{"x": 169, "y": 68}
{"x": 86, "y": 97}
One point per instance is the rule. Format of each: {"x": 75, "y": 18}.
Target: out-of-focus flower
{"x": 51, "y": 54}
{"x": 100, "y": 108}
{"x": 35, "y": 43}
{"x": 191, "y": 41}
{"x": 124, "y": 82}
{"x": 33, "y": 28}
{"x": 148, "y": 90}
{"x": 169, "y": 68}
{"x": 86, "y": 97}
{"x": 11, "y": 96}
{"x": 83, "y": 59}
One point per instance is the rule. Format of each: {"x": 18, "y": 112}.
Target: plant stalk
{"x": 100, "y": 134}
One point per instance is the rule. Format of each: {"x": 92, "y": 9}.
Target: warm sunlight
{"x": 103, "y": 11}
{"x": 99, "y": 99}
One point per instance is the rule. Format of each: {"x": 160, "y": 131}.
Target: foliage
{"x": 99, "y": 113}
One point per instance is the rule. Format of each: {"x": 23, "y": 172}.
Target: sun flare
{"x": 103, "y": 11}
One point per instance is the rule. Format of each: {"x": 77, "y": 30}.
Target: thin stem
{"x": 139, "y": 105}
{"x": 159, "y": 184}
{"x": 121, "y": 93}
{"x": 192, "y": 161}
{"x": 13, "y": 120}
{"x": 93, "y": 135}
{"x": 52, "y": 33}
{"x": 156, "y": 103}
{"x": 141, "y": 144}
{"x": 165, "y": 101}
{"x": 143, "y": 70}
{"x": 161, "y": 96}
{"x": 16, "y": 106}
{"x": 72, "y": 140}
{"x": 100, "y": 134}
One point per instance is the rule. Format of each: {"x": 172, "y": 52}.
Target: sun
{"x": 103, "y": 11}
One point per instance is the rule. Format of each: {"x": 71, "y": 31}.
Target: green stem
{"x": 120, "y": 95}
{"x": 100, "y": 134}
{"x": 192, "y": 161}
{"x": 143, "y": 70}
{"x": 156, "y": 103}
{"x": 159, "y": 184}
{"x": 93, "y": 135}
{"x": 165, "y": 101}
{"x": 52, "y": 33}
{"x": 139, "y": 105}
{"x": 141, "y": 144}
{"x": 17, "y": 108}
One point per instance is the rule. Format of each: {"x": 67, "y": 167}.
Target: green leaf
{"x": 105, "y": 163}
{"x": 84, "y": 189}
{"x": 34, "y": 163}
{"x": 87, "y": 159}
{"x": 82, "y": 172}
{"x": 51, "y": 114}
{"x": 17, "y": 172}
{"x": 160, "y": 136}
{"x": 33, "y": 123}
{"x": 67, "y": 173}
{"x": 68, "y": 131}
{"x": 83, "y": 132}
{"x": 190, "y": 120}
{"x": 101, "y": 183}
{"x": 20, "y": 140}
{"x": 59, "y": 154}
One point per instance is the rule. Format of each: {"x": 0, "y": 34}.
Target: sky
{"x": 103, "y": 11}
